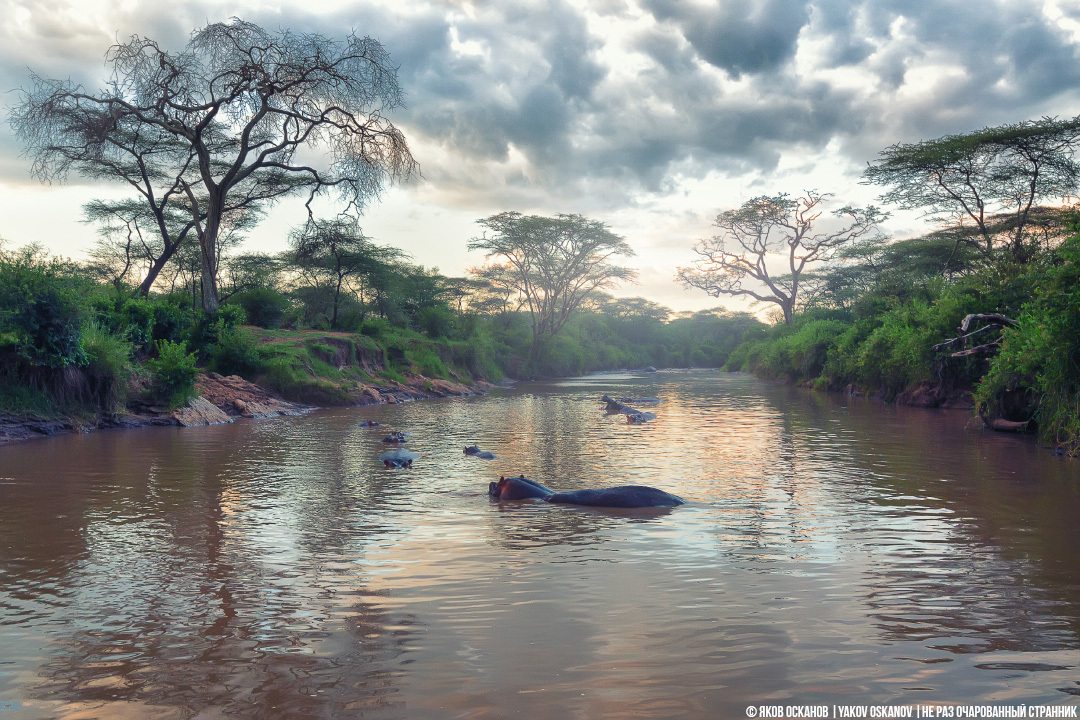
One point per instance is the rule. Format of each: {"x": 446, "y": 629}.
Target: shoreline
{"x": 223, "y": 399}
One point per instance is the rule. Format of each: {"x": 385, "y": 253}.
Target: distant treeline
{"x": 80, "y": 338}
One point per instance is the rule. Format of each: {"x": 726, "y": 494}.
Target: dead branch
{"x": 963, "y": 338}
{"x": 987, "y": 349}
{"x": 992, "y": 317}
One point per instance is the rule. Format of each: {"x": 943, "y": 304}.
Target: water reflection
{"x": 833, "y": 550}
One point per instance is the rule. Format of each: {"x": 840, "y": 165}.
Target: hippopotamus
{"x": 614, "y": 406}
{"x": 398, "y": 458}
{"x": 396, "y": 438}
{"x": 475, "y": 451}
{"x": 637, "y": 417}
{"x": 621, "y": 496}
{"x": 640, "y": 401}
{"x": 370, "y": 423}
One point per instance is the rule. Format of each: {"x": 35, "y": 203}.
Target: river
{"x": 833, "y": 551}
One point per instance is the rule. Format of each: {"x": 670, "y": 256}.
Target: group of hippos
{"x": 522, "y": 488}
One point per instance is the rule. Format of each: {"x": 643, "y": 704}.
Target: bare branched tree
{"x": 227, "y": 125}
{"x": 766, "y": 228}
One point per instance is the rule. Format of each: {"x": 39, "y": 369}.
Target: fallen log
{"x": 1002, "y": 425}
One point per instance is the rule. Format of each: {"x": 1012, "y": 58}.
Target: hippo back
{"x": 622, "y": 496}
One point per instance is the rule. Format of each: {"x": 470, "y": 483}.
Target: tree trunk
{"x": 209, "y": 265}
{"x": 152, "y": 275}
{"x": 337, "y": 300}
{"x": 210, "y": 304}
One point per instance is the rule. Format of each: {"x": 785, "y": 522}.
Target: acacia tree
{"x": 141, "y": 239}
{"x": 227, "y": 125}
{"x": 771, "y": 227}
{"x": 989, "y": 182}
{"x": 552, "y": 263}
{"x": 333, "y": 254}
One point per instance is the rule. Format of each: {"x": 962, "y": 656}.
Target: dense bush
{"x": 436, "y": 322}
{"x": 264, "y": 307}
{"x": 172, "y": 374}
{"x": 797, "y": 353}
{"x": 43, "y": 307}
{"x": 108, "y": 368}
{"x": 236, "y": 353}
{"x": 1036, "y": 376}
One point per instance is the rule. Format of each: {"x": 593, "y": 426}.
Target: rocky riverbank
{"x": 223, "y": 399}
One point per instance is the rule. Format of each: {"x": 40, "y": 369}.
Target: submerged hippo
{"x": 475, "y": 451}
{"x": 398, "y": 458}
{"x": 638, "y": 417}
{"x": 395, "y": 438}
{"x": 614, "y": 406}
{"x": 621, "y": 496}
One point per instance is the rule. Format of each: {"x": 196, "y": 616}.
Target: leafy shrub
{"x": 799, "y": 352}
{"x": 377, "y": 328}
{"x": 436, "y": 322}
{"x": 236, "y": 353}
{"x": 1039, "y": 362}
{"x": 108, "y": 368}
{"x": 427, "y": 362}
{"x": 263, "y": 307}
{"x": 138, "y": 318}
{"x": 42, "y": 309}
{"x": 172, "y": 374}
{"x": 208, "y": 329}
{"x": 173, "y": 317}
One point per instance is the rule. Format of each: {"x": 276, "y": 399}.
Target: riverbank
{"x": 223, "y": 399}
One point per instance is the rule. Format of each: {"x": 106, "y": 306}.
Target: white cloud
{"x": 652, "y": 115}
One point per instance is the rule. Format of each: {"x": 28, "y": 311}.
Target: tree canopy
{"x": 990, "y": 181}
{"x": 552, "y": 263}
{"x": 337, "y": 256}
{"x": 225, "y": 126}
{"x": 768, "y": 227}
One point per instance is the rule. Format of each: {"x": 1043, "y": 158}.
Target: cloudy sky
{"x": 650, "y": 115}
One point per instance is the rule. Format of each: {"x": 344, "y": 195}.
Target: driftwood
{"x": 996, "y": 321}
{"x": 1002, "y": 425}
{"x": 994, "y": 317}
{"x": 987, "y": 349}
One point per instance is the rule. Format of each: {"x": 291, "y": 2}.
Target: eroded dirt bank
{"x": 223, "y": 399}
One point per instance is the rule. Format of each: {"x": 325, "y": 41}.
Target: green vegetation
{"x": 77, "y": 342}
{"x": 883, "y": 319}
{"x": 1036, "y": 376}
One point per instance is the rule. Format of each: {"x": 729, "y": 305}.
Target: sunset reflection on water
{"x": 833, "y": 550}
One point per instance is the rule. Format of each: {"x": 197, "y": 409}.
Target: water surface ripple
{"x": 833, "y": 551}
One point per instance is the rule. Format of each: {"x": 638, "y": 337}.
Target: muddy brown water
{"x": 833, "y": 551}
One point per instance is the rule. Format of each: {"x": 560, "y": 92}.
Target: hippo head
{"x": 518, "y": 488}
{"x": 472, "y": 450}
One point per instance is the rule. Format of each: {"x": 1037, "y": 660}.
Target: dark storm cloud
{"x": 640, "y": 93}
{"x": 739, "y": 36}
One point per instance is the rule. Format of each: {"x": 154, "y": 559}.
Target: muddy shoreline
{"x": 223, "y": 399}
